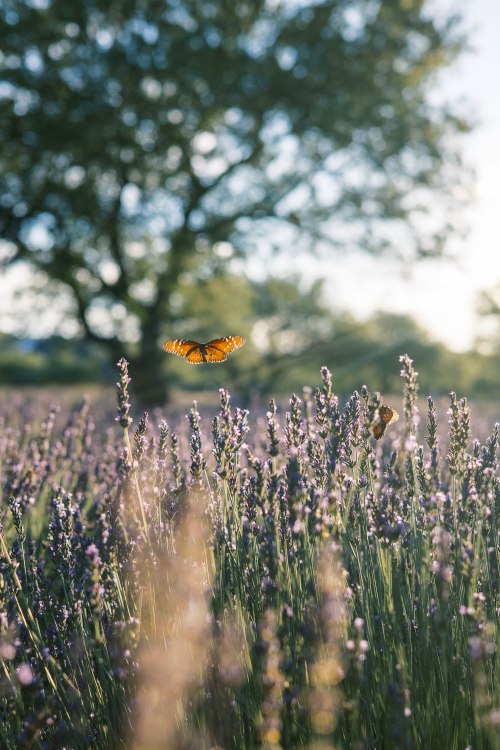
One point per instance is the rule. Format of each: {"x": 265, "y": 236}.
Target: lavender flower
{"x": 198, "y": 463}
{"x": 98, "y": 580}
{"x": 122, "y": 394}
{"x": 410, "y": 395}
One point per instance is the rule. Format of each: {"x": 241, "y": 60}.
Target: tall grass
{"x": 293, "y": 585}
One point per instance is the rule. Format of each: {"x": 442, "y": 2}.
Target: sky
{"x": 441, "y": 296}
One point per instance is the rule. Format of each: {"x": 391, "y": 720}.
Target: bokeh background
{"x": 319, "y": 177}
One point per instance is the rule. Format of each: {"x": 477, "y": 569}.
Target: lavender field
{"x": 234, "y": 581}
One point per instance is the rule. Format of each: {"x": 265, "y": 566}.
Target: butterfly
{"x": 196, "y": 354}
{"x": 385, "y": 416}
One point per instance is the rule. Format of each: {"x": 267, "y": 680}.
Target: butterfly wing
{"x": 386, "y": 416}
{"x": 378, "y": 430}
{"x": 182, "y": 347}
{"x": 197, "y": 355}
{"x": 227, "y": 344}
{"x": 218, "y": 349}
{"x": 214, "y": 354}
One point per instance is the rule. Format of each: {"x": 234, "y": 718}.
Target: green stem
{"x": 136, "y": 481}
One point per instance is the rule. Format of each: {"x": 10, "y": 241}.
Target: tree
{"x": 145, "y": 141}
{"x": 488, "y": 310}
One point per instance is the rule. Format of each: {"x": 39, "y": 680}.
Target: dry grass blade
{"x": 175, "y": 635}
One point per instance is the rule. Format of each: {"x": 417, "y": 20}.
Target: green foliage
{"x": 51, "y": 361}
{"x": 291, "y": 332}
{"x": 137, "y": 139}
{"x": 488, "y": 308}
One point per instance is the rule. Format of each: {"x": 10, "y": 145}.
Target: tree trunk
{"x": 149, "y": 385}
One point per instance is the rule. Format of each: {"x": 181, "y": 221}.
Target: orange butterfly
{"x": 196, "y": 354}
{"x": 386, "y": 416}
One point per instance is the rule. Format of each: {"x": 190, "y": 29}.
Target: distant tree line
{"x": 291, "y": 333}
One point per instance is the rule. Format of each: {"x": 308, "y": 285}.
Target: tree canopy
{"x": 143, "y": 143}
